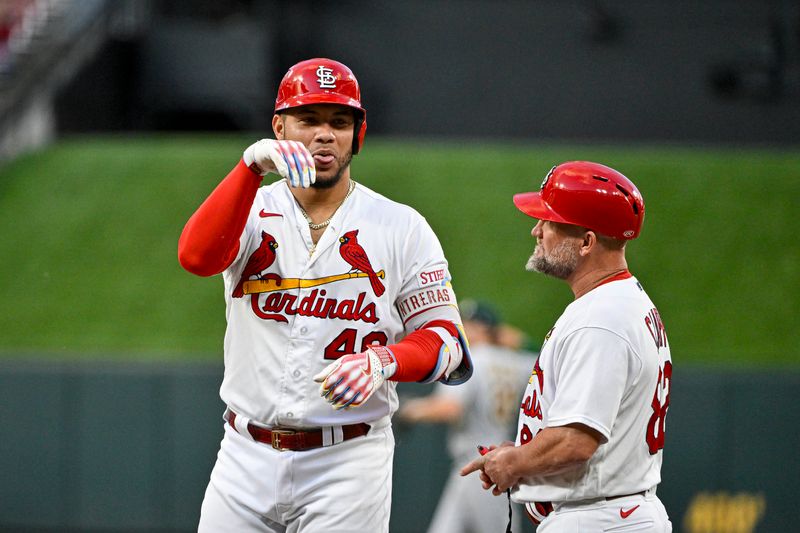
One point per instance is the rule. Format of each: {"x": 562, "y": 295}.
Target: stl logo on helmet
{"x": 325, "y": 78}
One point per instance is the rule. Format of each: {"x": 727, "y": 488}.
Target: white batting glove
{"x": 289, "y": 159}
{"x": 352, "y": 379}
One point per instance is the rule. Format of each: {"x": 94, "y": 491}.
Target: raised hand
{"x": 289, "y": 159}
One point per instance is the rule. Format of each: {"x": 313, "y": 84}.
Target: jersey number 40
{"x": 345, "y": 343}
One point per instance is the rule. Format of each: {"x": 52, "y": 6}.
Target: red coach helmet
{"x": 323, "y": 81}
{"x": 590, "y": 195}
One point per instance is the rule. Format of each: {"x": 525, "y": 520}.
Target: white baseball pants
{"x": 344, "y": 488}
{"x": 620, "y": 515}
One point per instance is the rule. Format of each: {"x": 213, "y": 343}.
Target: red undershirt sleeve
{"x": 210, "y": 240}
{"x": 418, "y": 353}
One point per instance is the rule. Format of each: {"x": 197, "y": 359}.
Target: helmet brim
{"x": 532, "y": 204}
{"x": 319, "y": 98}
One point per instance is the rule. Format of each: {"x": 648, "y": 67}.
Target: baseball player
{"x": 481, "y": 411}
{"x": 591, "y": 425}
{"x": 323, "y": 278}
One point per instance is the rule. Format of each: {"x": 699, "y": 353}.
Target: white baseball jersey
{"x": 606, "y": 364}
{"x": 327, "y": 304}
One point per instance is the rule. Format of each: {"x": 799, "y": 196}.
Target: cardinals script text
{"x": 278, "y": 305}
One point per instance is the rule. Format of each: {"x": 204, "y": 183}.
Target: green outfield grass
{"x": 90, "y": 228}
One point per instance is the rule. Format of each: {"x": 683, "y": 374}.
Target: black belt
{"x": 283, "y": 439}
{"x": 642, "y": 493}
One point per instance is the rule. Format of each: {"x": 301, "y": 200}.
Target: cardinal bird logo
{"x": 537, "y": 371}
{"x": 259, "y": 261}
{"x": 356, "y": 257}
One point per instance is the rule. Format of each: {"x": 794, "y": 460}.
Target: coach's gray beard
{"x": 344, "y": 162}
{"x": 561, "y": 262}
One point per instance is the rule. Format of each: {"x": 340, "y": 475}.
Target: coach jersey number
{"x": 655, "y": 427}
{"x": 345, "y": 342}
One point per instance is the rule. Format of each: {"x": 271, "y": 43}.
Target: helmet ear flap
{"x": 359, "y": 131}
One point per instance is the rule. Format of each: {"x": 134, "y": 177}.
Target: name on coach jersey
{"x": 278, "y": 305}
{"x": 656, "y": 328}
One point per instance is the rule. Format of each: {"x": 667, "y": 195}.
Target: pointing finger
{"x": 473, "y": 466}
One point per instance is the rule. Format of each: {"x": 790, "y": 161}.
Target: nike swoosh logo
{"x": 265, "y": 214}
{"x": 625, "y": 514}
{"x": 367, "y": 369}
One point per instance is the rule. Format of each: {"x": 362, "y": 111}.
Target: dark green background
{"x": 90, "y": 230}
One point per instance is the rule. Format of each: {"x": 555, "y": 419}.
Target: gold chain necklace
{"x": 325, "y": 224}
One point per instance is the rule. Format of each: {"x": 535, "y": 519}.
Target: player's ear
{"x": 589, "y": 242}
{"x": 278, "y": 126}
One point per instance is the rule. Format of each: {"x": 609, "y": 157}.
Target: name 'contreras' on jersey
{"x": 377, "y": 273}
{"x": 609, "y": 348}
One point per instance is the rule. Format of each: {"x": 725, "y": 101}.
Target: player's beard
{"x": 560, "y": 263}
{"x": 327, "y": 183}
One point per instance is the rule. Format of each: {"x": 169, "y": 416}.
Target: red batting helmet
{"x": 323, "y": 81}
{"x": 590, "y": 195}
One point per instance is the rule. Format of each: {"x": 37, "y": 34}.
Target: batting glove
{"x": 289, "y": 159}
{"x": 538, "y": 511}
{"x": 352, "y": 379}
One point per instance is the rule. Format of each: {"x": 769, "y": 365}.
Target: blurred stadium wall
{"x": 88, "y": 447}
{"x": 627, "y": 70}
{"x": 129, "y": 447}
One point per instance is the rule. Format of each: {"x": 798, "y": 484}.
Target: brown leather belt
{"x": 283, "y": 439}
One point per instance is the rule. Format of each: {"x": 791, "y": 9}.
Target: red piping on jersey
{"x": 409, "y": 317}
{"x": 616, "y": 277}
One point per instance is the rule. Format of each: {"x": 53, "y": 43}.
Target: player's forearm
{"x": 554, "y": 451}
{"x": 210, "y": 240}
{"x": 418, "y": 353}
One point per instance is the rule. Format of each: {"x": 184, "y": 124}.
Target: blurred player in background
{"x": 591, "y": 426}
{"x": 481, "y": 411}
{"x": 323, "y": 278}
